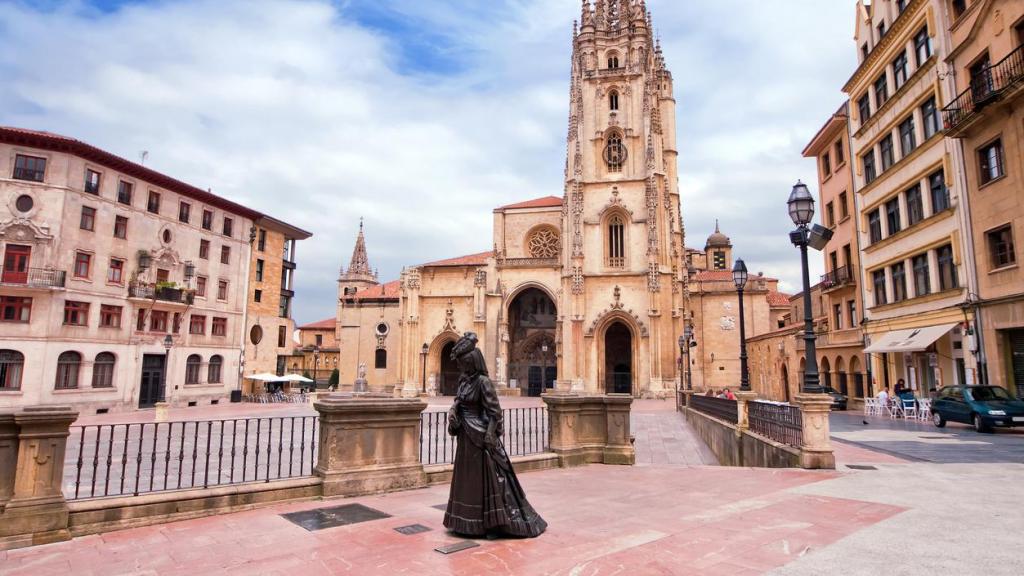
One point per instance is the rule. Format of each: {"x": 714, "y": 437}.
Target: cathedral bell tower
{"x": 621, "y": 221}
{"x": 358, "y": 276}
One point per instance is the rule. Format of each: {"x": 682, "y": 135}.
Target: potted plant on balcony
{"x": 167, "y": 291}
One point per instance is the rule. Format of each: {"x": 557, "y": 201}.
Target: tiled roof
{"x": 478, "y": 259}
{"x": 723, "y": 276}
{"x": 778, "y": 299}
{"x": 327, "y": 323}
{"x": 545, "y": 202}
{"x": 380, "y": 291}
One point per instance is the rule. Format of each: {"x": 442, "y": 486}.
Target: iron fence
{"x": 526, "y": 432}
{"x": 779, "y": 422}
{"x": 721, "y": 408}
{"x": 131, "y": 459}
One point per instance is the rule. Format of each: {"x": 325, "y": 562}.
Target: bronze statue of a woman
{"x": 486, "y": 498}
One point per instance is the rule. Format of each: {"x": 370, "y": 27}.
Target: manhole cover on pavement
{"x": 412, "y": 529}
{"x": 861, "y": 467}
{"x": 322, "y": 518}
{"x": 457, "y": 547}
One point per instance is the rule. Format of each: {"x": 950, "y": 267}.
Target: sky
{"x": 421, "y": 116}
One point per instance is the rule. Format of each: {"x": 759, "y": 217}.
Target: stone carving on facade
{"x": 577, "y": 279}
{"x": 544, "y": 243}
{"x": 653, "y": 277}
{"x": 480, "y": 280}
{"x": 727, "y": 323}
{"x": 600, "y": 317}
{"x": 449, "y": 318}
{"x": 617, "y": 297}
{"x": 23, "y": 229}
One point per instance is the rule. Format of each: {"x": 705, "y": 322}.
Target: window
{"x": 176, "y": 323}
{"x": 844, "y": 208}
{"x": 110, "y": 316}
{"x": 869, "y": 166}
{"x": 115, "y": 274}
{"x": 852, "y": 309}
{"x": 29, "y": 168}
{"x": 830, "y": 214}
{"x": 899, "y": 282}
{"x": 614, "y": 153}
{"x": 888, "y": 157}
{"x": 207, "y": 220}
{"x": 319, "y": 339}
{"x": 158, "y": 321}
{"x": 908, "y": 136}
{"x": 282, "y": 332}
{"x": 197, "y": 324}
{"x": 201, "y": 286}
{"x": 864, "y": 51}
{"x": 124, "y": 192}
{"x": 959, "y": 7}
{"x": 184, "y": 212}
{"x": 840, "y": 157}
{"x": 103, "y": 370}
{"x": 140, "y": 320}
{"x": 284, "y": 308}
{"x": 1019, "y": 28}
{"x": 192, "y": 365}
{"x": 613, "y": 100}
{"x": 613, "y": 61}
{"x": 901, "y": 5}
{"x": 864, "y": 108}
{"x": 120, "y": 227}
{"x": 261, "y": 244}
{"x": 88, "y": 219}
{"x": 76, "y": 313}
{"x": 947, "y": 268}
{"x": 228, "y": 226}
{"x": 881, "y": 30}
{"x": 222, "y": 290}
{"x": 259, "y": 270}
{"x": 1000, "y": 247}
{"x": 204, "y": 249}
{"x": 257, "y": 296}
{"x": 220, "y": 327}
{"x": 826, "y": 164}
{"x": 837, "y": 316}
{"x": 15, "y": 309}
{"x": 875, "y": 225}
{"x": 68, "y": 365}
{"x": 922, "y": 46}
{"x": 990, "y": 161}
{"x": 616, "y": 242}
{"x": 881, "y": 91}
{"x": 930, "y": 114}
{"x": 12, "y": 366}
{"x": 915, "y": 205}
{"x": 153, "y": 203}
{"x": 213, "y": 369}
{"x": 92, "y": 181}
{"x": 981, "y": 78}
{"x": 225, "y": 254}
{"x": 24, "y": 203}
{"x": 83, "y": 262}
{"x": 939, "y": 193}
{"x": 878, "y": 281}
{"x": 922, "y": 283}
{"x": 380, "y": 359}
{"x": 163, "y": 275}
{"x": 892, "y": 216}
{"x": 899, "y": 69}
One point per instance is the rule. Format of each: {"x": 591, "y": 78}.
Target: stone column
{"x": 742, "y": 415}
{"x": 8, "y": 457}
{"x": 816, "y": 451}
{"x": 37, "y": 512}
{"x": 563, "y": 421}
{"x": 369, "y": 443}
{"x": 619, "y": 445}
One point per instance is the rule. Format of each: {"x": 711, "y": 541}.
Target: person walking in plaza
{"x": 486, "y": 498}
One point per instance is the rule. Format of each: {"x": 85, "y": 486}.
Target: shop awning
{"x": 914, "y": 340}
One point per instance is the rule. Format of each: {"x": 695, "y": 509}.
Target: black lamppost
{"x": 801, "y": 210}
{"x": 688, "y": 334}
{"x": 316, "y": 364}
{"x": 739, "y": 278}
{"x": 423, "y": 372}
{"x": 168, "y": 344}
{"x": 543, "y": 368}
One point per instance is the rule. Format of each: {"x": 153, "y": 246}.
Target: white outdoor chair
{"x": 871, "y": 407}
{"x": 894, "y": 407}
{"x": 909, "y": 409}
{"x": 924, "y": 409}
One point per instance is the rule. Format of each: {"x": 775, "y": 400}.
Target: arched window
{"x": 103, "y": 370}
{"x": 68, "y": 365}
{"x": 616, "y": 242}
{"x": 12, "y": 365}
{"x": 380, "y": 358}
{"x": 544, "y": 243}
{"x": 613, "y": 100}
{"x": 213, "y": 372}
{"x": 613, "y": 60}
{"x": 614, "y": 152}
{"x": 192, "y": 369}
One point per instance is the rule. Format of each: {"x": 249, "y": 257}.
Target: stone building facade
{"x": 318, "y": 351}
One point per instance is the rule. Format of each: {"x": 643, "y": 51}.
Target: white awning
{"x": 913, "y": 340}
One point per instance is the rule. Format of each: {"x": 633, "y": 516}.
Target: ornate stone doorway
{"x": 532, "y": 355}
{"x": 618, "y": 359}
{"x": 449, "y": 374}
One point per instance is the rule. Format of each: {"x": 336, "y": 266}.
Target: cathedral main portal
{"x": 532, "y": 357}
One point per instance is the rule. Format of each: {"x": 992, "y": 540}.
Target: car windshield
{"x": 983, "y": 393}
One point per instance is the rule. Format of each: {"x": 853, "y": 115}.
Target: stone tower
{"x": 622, "y": 224}
{"x": 359, "y": 275}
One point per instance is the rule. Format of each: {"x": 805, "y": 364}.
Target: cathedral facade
{"x": 585, "y": 292}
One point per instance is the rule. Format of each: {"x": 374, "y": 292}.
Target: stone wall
{"x": 741, "y": 449}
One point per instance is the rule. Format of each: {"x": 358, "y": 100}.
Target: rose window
{"x": 544, "y": 244}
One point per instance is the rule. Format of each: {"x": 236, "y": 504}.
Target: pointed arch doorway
{"x": 533, "y": 360}
{"x": 449, "y": 373}
{"x": 618, "y": 359}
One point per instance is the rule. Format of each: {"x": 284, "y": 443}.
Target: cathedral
{"x": 587, "y": 292}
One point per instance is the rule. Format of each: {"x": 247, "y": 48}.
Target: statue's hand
{"x": 490, "y": 440}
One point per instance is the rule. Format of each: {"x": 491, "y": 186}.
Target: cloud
{"x": 419, "y": 116}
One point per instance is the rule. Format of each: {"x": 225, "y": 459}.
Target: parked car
{"x": 984, "y": 407}
{"x": 838, "y": 398}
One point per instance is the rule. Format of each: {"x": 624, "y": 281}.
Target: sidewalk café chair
{"x": 924, "y": 409}
{"x": 895, "y": 408}
{"x": 909, "y": 408}
{"x": 870, "y": 405}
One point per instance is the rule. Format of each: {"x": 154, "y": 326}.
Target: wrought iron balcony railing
{"x": 35, "y": 278}
{"x": 987, "y": 86}
{"x": 836, "y": 278}
{"x": 162, "y": 293}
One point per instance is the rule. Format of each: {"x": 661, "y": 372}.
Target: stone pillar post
{"x": 8, "y": 457}
{"x": 619, "y": 445}
{"x": 742, "y": 414}
{"x": 37, "y": 512}
{"x": 563, "y": 421}
{"x": 816, "y": 451}
{"x": 369, "y": 443}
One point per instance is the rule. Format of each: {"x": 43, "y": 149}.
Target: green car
{"x": 984, "y": 407}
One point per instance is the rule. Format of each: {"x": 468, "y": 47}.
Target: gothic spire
{"x": 360, "y": 264}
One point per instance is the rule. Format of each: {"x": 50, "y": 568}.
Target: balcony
{"x": 837, "y": 278}
{"x": 35, "y": 278}
{"x": 161, "y": 293}
{"x": 992, "y": 84}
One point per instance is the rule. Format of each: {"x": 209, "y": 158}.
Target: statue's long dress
{"x": 485, "y": 495}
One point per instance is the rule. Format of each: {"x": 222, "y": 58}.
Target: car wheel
{"x": 938, "y": 420}
{"x": 979, "y": 425}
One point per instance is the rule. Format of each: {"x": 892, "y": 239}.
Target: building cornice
{"x": 879, "y": 50}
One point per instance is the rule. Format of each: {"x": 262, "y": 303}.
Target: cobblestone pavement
{"x": 922, "y": 441}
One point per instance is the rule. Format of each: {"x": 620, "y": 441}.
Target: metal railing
{"x": 164, "y": 294}
{"x": 36, "y": 278}
{"x": 779, "y": 422}
{"x": 721, "y": 408}
{"x": 984, "y": 87}
{"x": 131, "y": 459}
{"x": 835, "y": 278}
{"x": 526, "y": 432}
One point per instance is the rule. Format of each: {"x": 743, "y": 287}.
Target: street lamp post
{"x": 739, "y": 278}
{"x": 168, "y": 344}
{"x": 316, "y": 364}
{"x": 801, "y": 210}
{"x": 682, "y": 345}
{"x": 543, "y": 367}
{"x": 423, "y": 372}
{"x": 688, "y": 334}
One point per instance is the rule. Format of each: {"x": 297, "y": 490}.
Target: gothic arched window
{"x": 613, "y": 100}
{"x": 614, "y": 153}
{"x": 613, "y": 61}
{"x": 380, "y": 358}
{"x": 616, "y": 242}
{"x": 544, "y": 243}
